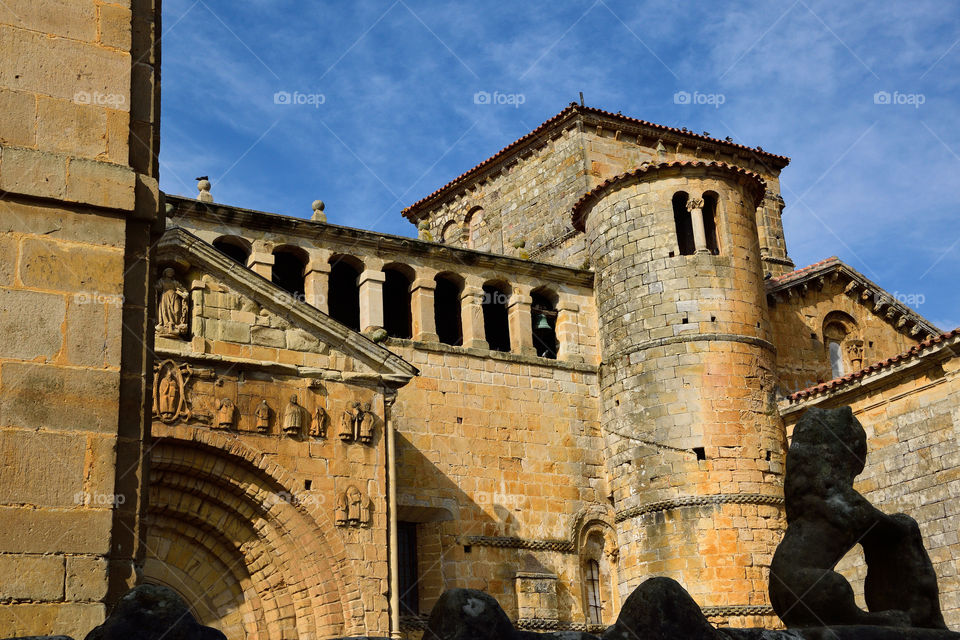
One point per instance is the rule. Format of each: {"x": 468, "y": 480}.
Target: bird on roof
{"x": 728, "y": 139}
{"x": 203, "y": 178}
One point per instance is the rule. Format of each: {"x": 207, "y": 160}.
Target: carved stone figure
{"x": 341, "y": 515}
{"x": 318, "y": 428}
{"x": 293, "y": 417}
{"x": 263, "y": 417}
{"x": 358, "y": 510}
{"x": 168, "y": 395}
{"x": 826, "y": 518}
{"x": 225, "y": 413}
{"x": 348, "y": 422}
{"x": 365, "y": 423}
{"x": 172, "y": 306}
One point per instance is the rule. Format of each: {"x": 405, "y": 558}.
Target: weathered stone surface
{"x": 31, "y": 324}
{"x": 28, "y": 530}
{"x": 42, "y": 469}
{"x": 89, "y": 272}
{"x": 58, "y": 398}
{"x": 18, "y": 126}
{"x": 86, "y": 578}
{"x": 826, "y": 518}
{"x": 38, "y": 578}
{"x": 101, "y": 184}
{"x": 151, "y": 612}
{"x": 32, "y": 172}
{"x": 70, "y": 127}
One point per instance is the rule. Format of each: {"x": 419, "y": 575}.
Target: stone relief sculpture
{"x": 262, "y": 414}
{"x": 293, "y": 417}
{"x": 170, "y": 385}
{"x": 348, "y": 422}
{"x": 172, "y": 306}
{"x": 225, "y": 413}
{"x": 353, "y": 509}
{"x": 318, "y": 428}
{"x": 826, "y": 517}
{"x": 365, "y": 424}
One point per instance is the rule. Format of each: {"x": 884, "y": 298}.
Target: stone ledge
{"x": 505, "y": 356}
{"x": 43, "y": 174}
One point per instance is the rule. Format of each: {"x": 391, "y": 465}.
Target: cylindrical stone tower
{"x": 694, "y": 442}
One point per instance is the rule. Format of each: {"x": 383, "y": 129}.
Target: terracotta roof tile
{"x": 572, "y": 108}
{"x": 799, "y": 273}
{"x": 842, "y": 381}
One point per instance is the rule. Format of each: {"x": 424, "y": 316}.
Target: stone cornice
{"x": 373, "y": 241}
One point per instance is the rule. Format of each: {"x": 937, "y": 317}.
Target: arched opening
{"x": 594, "y": 606}
{"x": 495, "y": 321}
{"x": 471, "y": 229}
{"x": 289, "y": 264}
{"x": 237, "y": 249}
{"x": 544, "y": 323}
{"x": 397, "y": 319}
{"x": 446, "y": 309}
{"x": 710, "y": 200}
{"x": 450, "y": 233}
{"x": 598, "y": 555}
{"x": 683, "y": 224}
{"x": 344, "y": 291}
{"x": 844, "y": 351}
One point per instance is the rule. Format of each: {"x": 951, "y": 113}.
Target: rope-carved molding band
{"x": 698, "y": 501}
{"x": 739, "y": 610}
{"x": 556, "y": 625}
{"x": 509, "y": 542}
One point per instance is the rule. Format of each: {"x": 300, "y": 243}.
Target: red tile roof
{"x": 578, "y": 211}
{"x": 799, "y": 273}
{"x": 842, "y": 381}
{"x": 574, "y": 108}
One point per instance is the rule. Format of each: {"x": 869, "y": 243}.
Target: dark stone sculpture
{"x": 826, "y": 518}
{"x": 151, "y": 612}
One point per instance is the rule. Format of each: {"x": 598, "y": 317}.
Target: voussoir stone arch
{"x": 237, "y": 486}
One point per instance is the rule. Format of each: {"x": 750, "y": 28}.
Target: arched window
{"x": 472, "y": 226}
{"x": 344, "y": 292}
{"x": 237, "y": 249}
{"x": 446, "y": 309}
{"x": 450, "y": 233}
{"x": 544, "y": 320}
{"x": 288, "y": 266}
{"x": 683, "y": 223}
{"x": 396, "y": 301}
{"x": 592, "y": 584}
{"x": 495, "y": 323}
{"x": 710, "y": 200}
{"x": 844, "y": 351}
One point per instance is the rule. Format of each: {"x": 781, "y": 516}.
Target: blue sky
{"x": 388, "y": 111}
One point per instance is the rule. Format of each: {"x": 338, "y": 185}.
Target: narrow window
{"x": 396, "y": 304}
{"x": 838, "y": 329}
{"x": 288, "y": 266}
{"x": 233, "y": 249}
{"x": 544, "y": 318}
{"x": 408, "y": 571}
{"x": 710, "y": 222}
{"x": 344, "y": 294}
{"x": 495, "y": 322}
{"x": 449, "y": 233}
{"x": 446, "y": 310}
{"x": 836, "y": 358}
{"x": 472, "y": 228}
{"x": 684, "y": 225}
{"x": 594, "y": 607}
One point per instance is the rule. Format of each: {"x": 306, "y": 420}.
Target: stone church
{"x": 582, "y": 373}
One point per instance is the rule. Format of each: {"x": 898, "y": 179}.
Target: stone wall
{"x": 694, "y": 446}
{"x": 910, "y": 413}
{"x": 798, "y": 321}
{"x": 79, "y": 79}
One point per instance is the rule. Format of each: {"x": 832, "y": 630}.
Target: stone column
{"x": 568, "y": 332}
{"x": 371, "y": 299}
{"x": 695, "y": 207}
{"x": 316, "y": 282}
{"x": 521, "y": 324}
{"x": 261, "y": 260}
{"x": 471, "y": 313}
{"x": 424, "y": 318}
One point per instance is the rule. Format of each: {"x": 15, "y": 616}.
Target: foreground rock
{"x": 150, "y": 612}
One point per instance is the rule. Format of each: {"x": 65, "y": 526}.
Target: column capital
{"x": 423, "y": 283}
{"x": 371, "y": 275}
